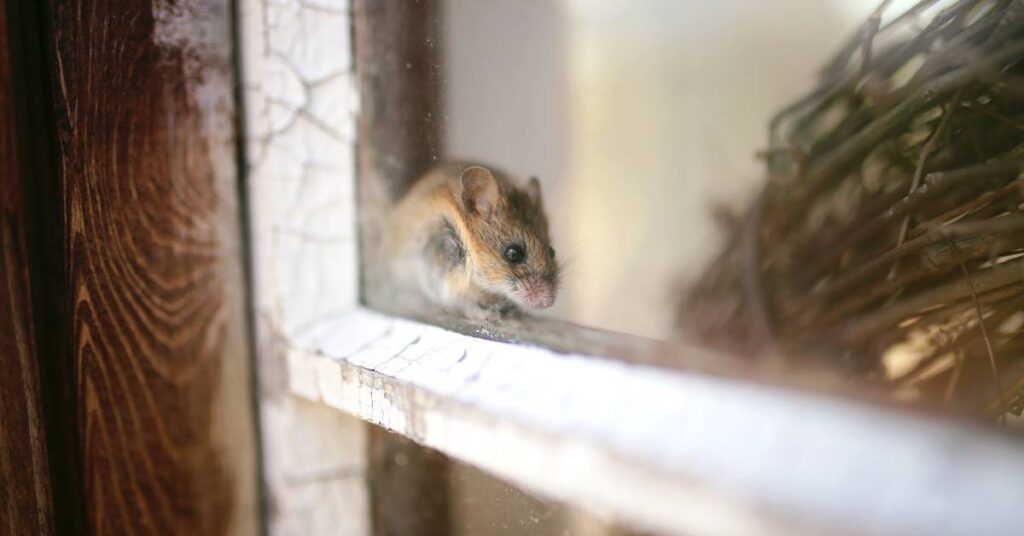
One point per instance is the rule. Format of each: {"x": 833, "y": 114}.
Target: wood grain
{"x": 25, "y": 497}
{"x": 25, "y": 506}
{"x": 159, "y": 368}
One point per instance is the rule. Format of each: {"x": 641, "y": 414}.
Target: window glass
{"x": 671, "y": 204}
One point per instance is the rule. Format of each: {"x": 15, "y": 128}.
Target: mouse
{"x": 467, "y": 238}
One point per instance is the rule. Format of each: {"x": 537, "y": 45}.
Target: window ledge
{"x": 665, "y": 450}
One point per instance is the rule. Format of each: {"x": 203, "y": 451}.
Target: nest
{"x": 888, "y": 240}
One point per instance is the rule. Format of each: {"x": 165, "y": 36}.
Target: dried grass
{"x": 894, "y": 202}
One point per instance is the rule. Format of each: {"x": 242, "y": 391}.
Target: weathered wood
{"x": 25, "y": 494}
{"x": 157, "y": 370}
{"x": 300, "y": 105}
{"x": 667, "y": 451}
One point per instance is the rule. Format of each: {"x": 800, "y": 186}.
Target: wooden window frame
{"x": 665, "y": 438}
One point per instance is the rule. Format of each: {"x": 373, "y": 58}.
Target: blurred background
{"x": 640, "y": 117}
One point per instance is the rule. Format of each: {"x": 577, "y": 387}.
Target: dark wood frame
{"x": 125, "y": 389}
{"x": 27, "y": 488}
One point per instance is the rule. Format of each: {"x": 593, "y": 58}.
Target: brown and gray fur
{"x": 448, "y": 235}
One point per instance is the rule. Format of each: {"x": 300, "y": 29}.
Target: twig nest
{"x": 889, "y": 237}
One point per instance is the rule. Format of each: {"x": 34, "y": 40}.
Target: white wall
{"x": 638, "y": 116}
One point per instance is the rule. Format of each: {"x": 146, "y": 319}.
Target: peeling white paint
{"x": 300, "y": 105}
{"x": 666, "y": 451}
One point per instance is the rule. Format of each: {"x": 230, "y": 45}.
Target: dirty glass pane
{"x": 740, "y": 174}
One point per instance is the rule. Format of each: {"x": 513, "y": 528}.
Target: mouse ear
{"x": 479, "y": 191}
{"x": 533, "y": 190}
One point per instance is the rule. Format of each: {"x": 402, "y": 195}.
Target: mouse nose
{"x": 538, "y": 294}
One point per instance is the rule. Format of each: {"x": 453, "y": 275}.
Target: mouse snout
{"x": 538, "y": 293}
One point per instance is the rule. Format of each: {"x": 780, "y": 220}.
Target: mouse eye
{"x": 514, "y": 254}
{"x": 551, "y": 252}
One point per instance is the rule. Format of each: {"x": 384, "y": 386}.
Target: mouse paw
{"x": 510, "y": 311}
{"x": 492, "y": 310}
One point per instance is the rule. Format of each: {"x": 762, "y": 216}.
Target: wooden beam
{"x": 156, "y": 371}
{"x": 25, "y": 488}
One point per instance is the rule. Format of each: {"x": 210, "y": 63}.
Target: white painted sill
{"x": 668, "y": 451}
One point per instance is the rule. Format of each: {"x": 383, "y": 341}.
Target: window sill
{"x": 665, "y": 450}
